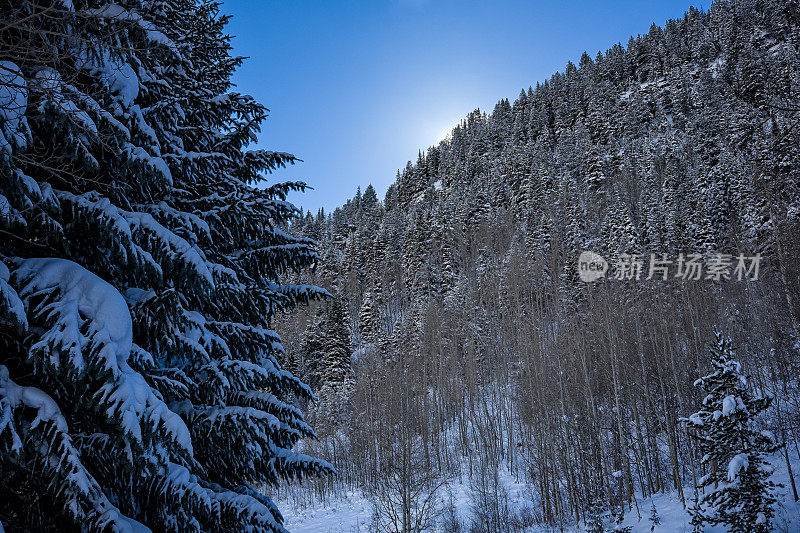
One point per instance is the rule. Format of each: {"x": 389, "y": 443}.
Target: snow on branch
{"x": 87, "y": 328}
{"x": 116, "y": 13}
{"x": 11, "y": 307}
{"x": 242, "y": 511}
{"x": 71, "y": 483}
{"x": 14, "y": 131}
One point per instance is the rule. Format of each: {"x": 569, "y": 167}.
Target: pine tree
{"x": 619, "y": 232}
{"x": 369, "y": 317}
{"x": 325, "y": 349}
{"x": 139, "y": 385}
{"x": 595, "y": 518}
{"x": 336, "y": 348}
{"x": 654, "y": 518}
{"x": 311, "y": 350}
{"x": 595, "y": 180}
{"x": 739, "y": 492}
{"x": 325, "y": 365}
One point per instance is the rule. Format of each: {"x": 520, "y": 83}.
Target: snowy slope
{"x": 352, "y": 513}
{"x": 675, "y": 519}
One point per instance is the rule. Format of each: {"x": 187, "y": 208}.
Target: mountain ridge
{"x": 464, "y": 301}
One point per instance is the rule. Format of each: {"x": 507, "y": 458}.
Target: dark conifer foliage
{"x": 140, "y": 270}
{"x": 737, "y": 489}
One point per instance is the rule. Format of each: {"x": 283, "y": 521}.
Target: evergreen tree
{"x": 369, "y": 318}
{"x": 311, "y": 350}
{"x": 336, "y": 348}
{"x": 596, "y": 517}
{"x": 739, "y": 492}
{"x": 139, "y": 382}
{"x": 325, "y": 365}
{"x": 654, "y": 518}
{"x": 325, "y": 349}
{"x": 595, "y": 180}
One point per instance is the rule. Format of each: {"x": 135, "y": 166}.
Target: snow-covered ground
{"x": 353, "y": 512}
{"x": 674, "y": 518}
{"x": 349, "y": 514}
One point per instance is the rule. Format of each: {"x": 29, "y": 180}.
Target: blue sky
{"x": 357, "y": 88}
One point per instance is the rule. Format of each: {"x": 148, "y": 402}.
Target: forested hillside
{"x": 461, "y": 334}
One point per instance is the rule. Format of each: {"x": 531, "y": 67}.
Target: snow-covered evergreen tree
{"x": 139, "y": 382}
{"x": 336, "y": 360}
{"x": 335, "y": 369}
{"x": 325, "y": 349}
{"x": 369, "y": 319}
{"x": 596, "y": 517}
{"x": 737, "y": 489}
{"x": 654, "y": 518}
